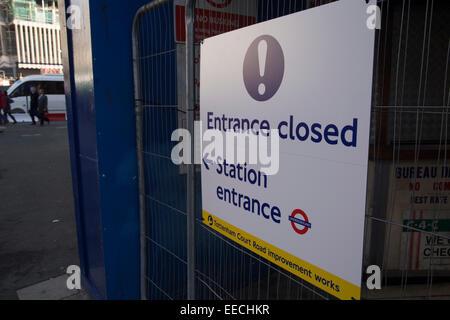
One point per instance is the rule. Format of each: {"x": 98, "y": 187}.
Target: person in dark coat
{"x": 42, "y": 107}
{"x": 34, "y": 95}
{"x": 7, "y": 110}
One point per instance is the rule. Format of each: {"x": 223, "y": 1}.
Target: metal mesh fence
{"x": 164, "y": 220}
{"x": 408, "y": 214}
{"x": 406, "y": 233}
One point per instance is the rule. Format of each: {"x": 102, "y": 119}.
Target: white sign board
{"x": 314, "y": 90}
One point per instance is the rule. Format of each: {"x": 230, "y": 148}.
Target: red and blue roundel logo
{"x": 219, "y": 3}
{"x": 299, "y": 221}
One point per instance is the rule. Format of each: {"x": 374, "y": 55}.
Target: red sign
{"x": 219, "y": 4}
{"x": 209, "y": 23}
{"x": 49, "y": 70}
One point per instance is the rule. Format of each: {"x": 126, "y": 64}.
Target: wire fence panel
{"x": 164, "y": 225}
{"x": 407, "y": 229}
{"x": 408, "y": 212}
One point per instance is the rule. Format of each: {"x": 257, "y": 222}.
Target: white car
{"x": 53, "y": 85}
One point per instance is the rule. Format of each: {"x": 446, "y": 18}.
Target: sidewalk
{"x": 37, "y": 224}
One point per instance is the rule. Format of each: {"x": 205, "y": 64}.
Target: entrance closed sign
{"x": 305, "y": 79}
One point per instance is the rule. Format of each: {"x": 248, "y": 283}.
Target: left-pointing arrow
{"x": 207, "y": 161}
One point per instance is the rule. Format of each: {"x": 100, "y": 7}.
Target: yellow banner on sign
{"x": 320, "y": 278}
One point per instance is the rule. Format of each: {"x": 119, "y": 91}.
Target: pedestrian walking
{"x": 7, "y": 110}
{"x": 3, "y": 103}
{"x": 34, "y": 95}
{"x": 42, "y": 107}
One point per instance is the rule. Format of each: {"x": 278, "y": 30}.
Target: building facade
{"x": 29, "y": 38}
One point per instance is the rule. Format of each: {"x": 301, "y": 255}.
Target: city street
{"x": 37, "y": 224}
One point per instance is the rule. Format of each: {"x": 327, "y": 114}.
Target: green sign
{"x": 432, "y": 225}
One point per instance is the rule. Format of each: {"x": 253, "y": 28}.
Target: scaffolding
{"x": 28, "y": 10}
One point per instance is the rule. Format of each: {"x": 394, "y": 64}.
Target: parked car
{"x": 53, "y": 85}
